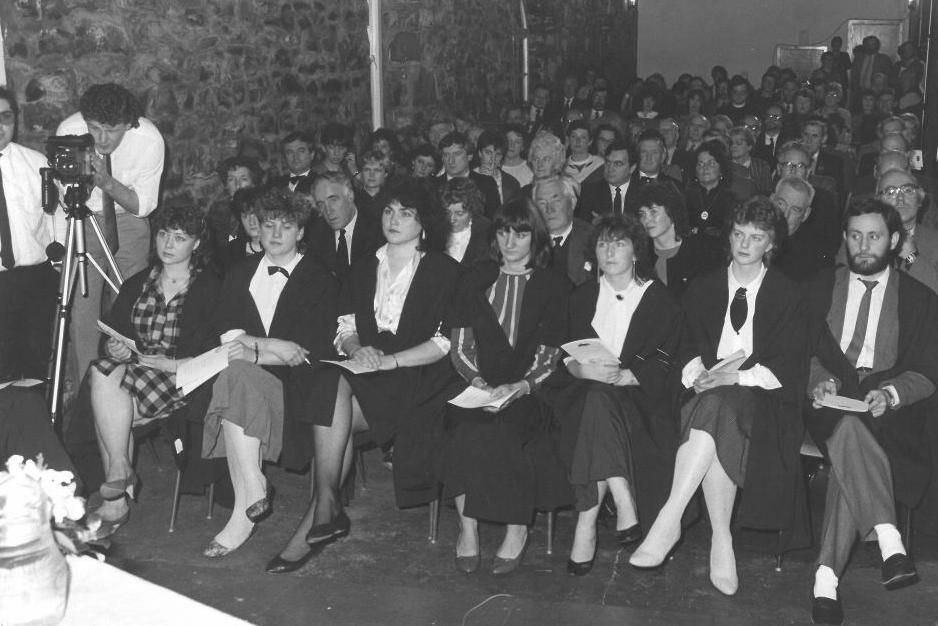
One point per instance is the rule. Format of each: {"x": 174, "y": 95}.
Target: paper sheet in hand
{"x": 730, "y": 364}
{"x": 842, "y": 403}
{"x": 589, "y": 351}
{"x": 23, "y": 382}
{"x": 113, "y": 334}
{"x": 196, "y": 371}
{"x": 351, "y": 366}
{"x": 475, "y": 398}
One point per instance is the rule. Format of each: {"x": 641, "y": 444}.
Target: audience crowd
{"x": 656, "y": 291}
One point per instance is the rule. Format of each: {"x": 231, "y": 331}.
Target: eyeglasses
{"x": 773, "y": 117}
{"x": 791, "y": 165}
{"x": 906, "y": 189}
{"x": 7, "y": 118}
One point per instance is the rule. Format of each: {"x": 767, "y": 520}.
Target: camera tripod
{"x": 75, "y": 270}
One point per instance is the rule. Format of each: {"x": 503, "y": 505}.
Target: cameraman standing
{"x": 28, "y": 283}
{"x": 128, "y": 164}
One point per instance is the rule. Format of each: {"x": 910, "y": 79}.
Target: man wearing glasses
{"x": 768, "y": 140}
{"x": 793, "y": 160}
{"x": 919, "y": 254}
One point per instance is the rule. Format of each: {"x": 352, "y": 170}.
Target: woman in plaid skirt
{"x": 167, "y": 310}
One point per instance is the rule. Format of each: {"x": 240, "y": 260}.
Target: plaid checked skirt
{"x": 154, "y": 392}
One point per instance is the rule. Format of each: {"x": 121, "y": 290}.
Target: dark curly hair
{"x": 761, "y": 213}
{"x": 522, "y": 216}
{"x": 248, "y": 163}
{"x": 717, "y": 149}
{"x": 280, "y": 203}
{"x": 466, "y": 191}
{"x": 875, "y": 206}
{"x": 415, "y": 194}
{"x": 666, "y": 196}
{"x": 617, "y": 228}
{"x": 189, "y": 219}
{"x": 244, "y": 201}
{"x": 110, "y": 104}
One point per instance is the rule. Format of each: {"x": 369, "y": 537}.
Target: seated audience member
{"x": 670, "y": 133}
{"x": 740, "y": 103}
{"x": 423, "y": 162}
{"x": 515, "y": 163}
{"x": 385, "y": 140}
{"x": 770, "y": 140}
{"x": 376, "y": 166}
{"x": 275, "y": 313}
{"x": 299, "y": 148}
{"x": 555, "y": 198}
{"x": 394, "y": 323}
{"x": 341, "y": 234}
{"x": 336, "y": 143}
{"x": 823, "y": 162}
{"x": 803, "y": 109}
{"x": 541, "y": 114}
{"x": 652, "y": 153}
{"x": 695, "y": 127}
{"x": 793, "y": 160}
{"x": 615, "y": 193}
{"x": 456, "y": 152}
{"x": 918, "y": 255}
{"x": 167, "y": 310}
{"x": 546, "y": 157}
{"x": 721, "y": 124}
{"x": 490, "y": 149}
{"x": 804, "y": 252}
{"x": 247, "y": 240}
{"x": 615, "y": 426}
{"x": 831, "y": 104}
{"x": 889, "y": 137}
{"x": 236, "y": 173}
{"x": 677, "y": 255}
{"x": 745, "y": 166}
{"x": 506, "y": 335}
{"x": 874, "y": 340}
{"x": 742, "y": 429}
{"x": 469, "y": 234}
{"x": 710, "y": 197}
{"x": 604, "y": 135}
{"x": 581, "y": 165}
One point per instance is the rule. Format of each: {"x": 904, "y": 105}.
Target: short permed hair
{"x": 281, "y": 203}
{"x": 189, "y": 219}
{"x": 761, "y": 213}
{"x": 463, "y": 190}
{"x": 616, "y": 228}
{"x": 110, "y": 104}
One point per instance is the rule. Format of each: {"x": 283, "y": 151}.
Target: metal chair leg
{"x": 360, "y": 457}
{"x": 172, "y": 516}
{"x": 434, "y": 521}
{"x": 211, "y": 501}
{"x": 551, "y": 516}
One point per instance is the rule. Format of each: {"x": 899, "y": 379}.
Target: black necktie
{"x": 341, "y": 253}
{"x": 739, "y": 309}
{"x": 863, "y": 318}
{"x": 276, "y": 269}
{"x": 109, "y": 214}
{"x": 617, "y": 202}
{"x": 6, "y": 238}
{"x": 557, "y": 241}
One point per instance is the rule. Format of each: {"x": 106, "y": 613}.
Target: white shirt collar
{"x": 563, "y": 235}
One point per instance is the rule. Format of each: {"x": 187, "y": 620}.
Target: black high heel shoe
{"x": 580, "y": 569}
{"x": 630, "y": 536}
{"x": 261, "y": 510}
{"x": 280, "y": 565}
{"x": 330, "y": 531}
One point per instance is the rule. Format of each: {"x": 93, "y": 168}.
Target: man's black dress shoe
{"x": 898, "y": 572}
{"x": 827, "y": 611}
{"x": 628, "y": 537}
{"x": 337, "y": 528}
{"x": 280, "y": 565}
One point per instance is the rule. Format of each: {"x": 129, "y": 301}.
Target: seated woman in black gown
{"x": 393, "y": 324}
{"x": 743, "y": 428}
{"x": 616, "y": 429}
{"x": 465, "y": 205}
{"x": 247, "y": 239}
{"x": 506, "y": 338}
{"x": 167, "y": 310}
{"x": 678, "y": 255}
{"x": 276, "y": 314}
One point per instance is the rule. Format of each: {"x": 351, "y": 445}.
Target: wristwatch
{"x": 892, "y": 399}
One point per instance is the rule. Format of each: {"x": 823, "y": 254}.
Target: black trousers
{"x": 27, "y": 308}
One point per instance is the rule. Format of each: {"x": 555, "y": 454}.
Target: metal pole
{"x": 525, "y": 59}
{"x": 375, "y": 41}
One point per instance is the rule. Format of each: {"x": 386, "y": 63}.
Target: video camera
{"x": 69, "y": 163}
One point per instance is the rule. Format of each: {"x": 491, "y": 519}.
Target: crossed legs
{"x": 584, "y": 537}
{"x": 250, "y": 485}
{"x": 113, "y": 411}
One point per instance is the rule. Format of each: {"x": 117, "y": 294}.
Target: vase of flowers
{"x": 34, "y": 575}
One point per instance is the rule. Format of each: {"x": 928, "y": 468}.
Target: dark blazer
{"x": 486, "y": 185}
{"x": 511, "y": 188}
{"x": 366, "y": 238}
{"x": 802, "y": 255}
{"x": 304, "y": 185}
{"x": 709, "y": 210}
{"x": 369, "y": 205}
{"x": 571, "y": 257}
{"x": 758, "y": 173}
{"x": 698, "y": 255}
{"x": 773, "y": 496}
{"x": 908, "y": 318}
{"x": 478, "y": 247}
{"x": 306, "y": 314}
{"x": 829, "y": 164}
{"x": 767, "y": 153}
{"x": 233, "y": 253}
{"x": 596, "y": 200}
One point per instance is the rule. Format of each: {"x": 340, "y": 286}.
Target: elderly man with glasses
{"x": 919, "y": 254}
{"x": 794, "y": 160}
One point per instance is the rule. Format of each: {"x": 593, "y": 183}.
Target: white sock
{"x": 825, "y": 583}
{"x": 890, "y": 541}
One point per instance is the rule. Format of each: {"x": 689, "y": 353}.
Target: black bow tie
{"x": 295, "y": 179}
{"x": 646, "y": 179}
{"x": 274, "y": 269}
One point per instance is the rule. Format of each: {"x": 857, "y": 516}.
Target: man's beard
{"x": 867, "y": 266}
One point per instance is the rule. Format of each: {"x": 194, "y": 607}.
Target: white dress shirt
{"x": 349, "y": 233}
{"x": 614, "y": 311}
{"x": 855, "y": 291}
{"x": 459, "y": 242}
{"x": 137, "y": 163}
{"x": 266, "y": 288}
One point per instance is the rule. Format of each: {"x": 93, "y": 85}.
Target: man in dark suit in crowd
{"x": 652, "y": 153}
{"x": 569, "y": 237}
{"x": 824, "y": 163}
{"x": 770, "y": 138}
{"x": 542, "y": 114}
{"x": 793, "y": 160}
{"x": 342, "y": 234}
{"x": 918, "y": 256}
{"x": 697, "y": 126}
{"x": 803, "y": 253}
{"x": 455, "y": 148}
{"x": 298, "y": 152}
{"x": 868, "y": 60}
{"x": 616, "y": 193}
{"x": 874, "y": 340}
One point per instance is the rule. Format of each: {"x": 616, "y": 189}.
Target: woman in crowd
{"x": 677, "y": 255}
{"x": 866, "y": 118}
{"x": 490, "y": 149}
{"x": 506, "y": 336}
{"x": 276, "y": 313}
{"x": 744, "y": 166}
{"x": 423, "y": 162}
{"x": 709, "y": 195}
{"x": 235, "y": 173}
{"x": 337, "y": 155}
{"x": 469, "y": 236}
{"x": 832, "y": 101}
{"x": 167, "y": 310}
{"x": 516, "y": 153}
{"x": 394, "y": 328}
{"x": 742, "y": 428}
{"x": 615, "y": 426}
{"x": 696, "y": 103}
{"x": 247, "y": 241}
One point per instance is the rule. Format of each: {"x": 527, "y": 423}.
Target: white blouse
{"x": 614, "y": 311}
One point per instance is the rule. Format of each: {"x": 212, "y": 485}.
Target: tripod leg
{"x": 66, "y": 290}
{"x": 112, "y": 263}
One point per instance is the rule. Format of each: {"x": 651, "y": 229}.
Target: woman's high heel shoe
{"x": 662, "y": 562}
{"x": 262, "y": 509}
{"x": 280, "y": 565}
{"x": 115, "y": 489}
{"x": 501, "y": 566}
{"x": 580, "y": 569}
{"x": 216, "y": 550}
